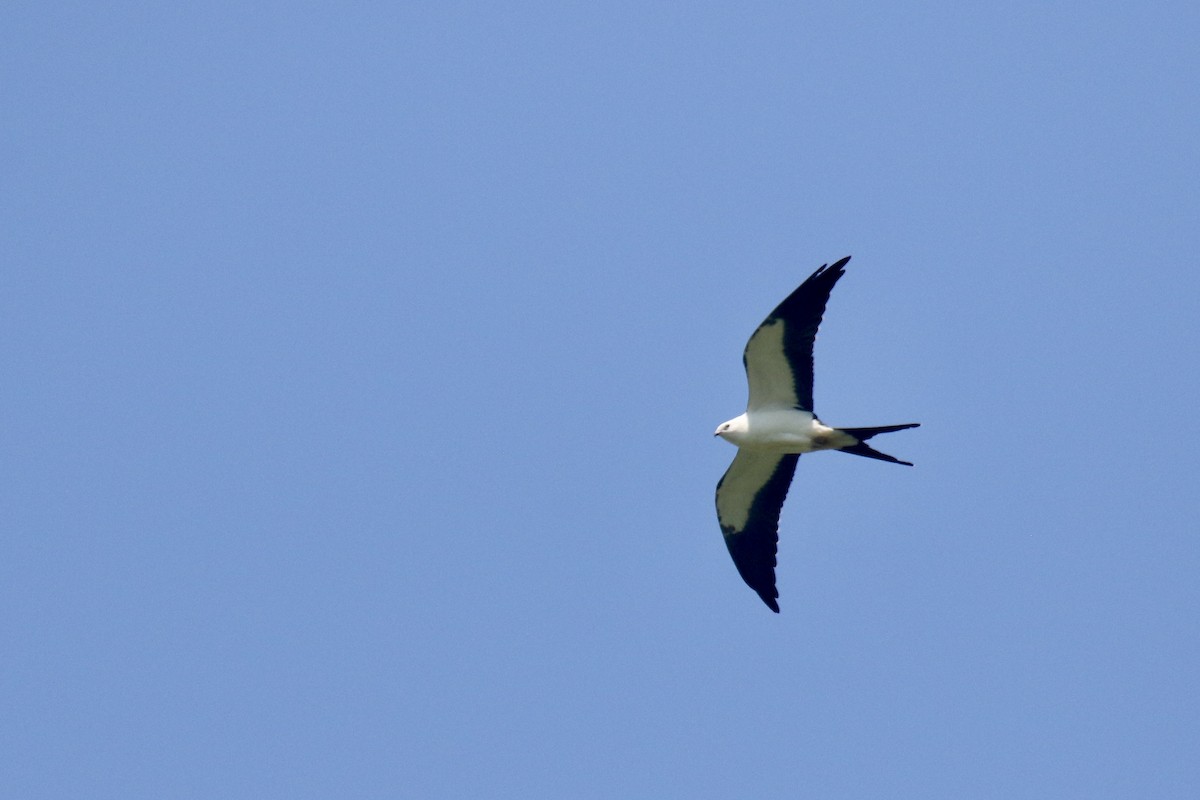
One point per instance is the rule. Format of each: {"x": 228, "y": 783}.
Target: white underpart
{"x": 768, "y": 370}
{"x": 782, "y": 431}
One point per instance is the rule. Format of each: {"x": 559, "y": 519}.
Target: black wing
{"x": 749, "y": 498}
{"x": 779, "y": 355}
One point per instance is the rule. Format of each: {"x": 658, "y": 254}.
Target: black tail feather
{"x": 862, "y": 434}
{"x": 863, "y": 449}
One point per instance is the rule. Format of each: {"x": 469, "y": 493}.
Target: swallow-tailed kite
{"x": 779, "y": 425}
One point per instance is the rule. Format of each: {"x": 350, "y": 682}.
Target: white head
{"x": 734, "y": 430}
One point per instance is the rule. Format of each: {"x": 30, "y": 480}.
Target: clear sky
{"x": 361, "y": 362}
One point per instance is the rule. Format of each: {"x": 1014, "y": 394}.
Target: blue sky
{"x": 362, "y": 361}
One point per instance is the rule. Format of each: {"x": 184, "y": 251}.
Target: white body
{"x": 782, "y": 430}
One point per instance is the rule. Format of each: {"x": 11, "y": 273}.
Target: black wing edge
{"x": 808, "y": 301}
{"x": 801, "y": 313}
{"x": 754, "y": 548}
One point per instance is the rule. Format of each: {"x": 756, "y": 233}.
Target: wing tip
{"x": 838, "y": 266}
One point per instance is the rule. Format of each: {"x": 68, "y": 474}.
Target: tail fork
{"x": 863, "y": 449}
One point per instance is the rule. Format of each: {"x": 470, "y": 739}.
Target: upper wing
{"x": 779, "y": 355}
{"x": 749, "y": 498}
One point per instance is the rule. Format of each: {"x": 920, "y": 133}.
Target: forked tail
{"x": 863, "y": 449}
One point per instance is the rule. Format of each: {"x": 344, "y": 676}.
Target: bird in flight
{"x": 778, "y": 426}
